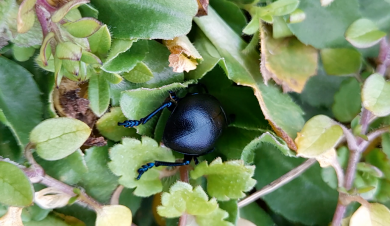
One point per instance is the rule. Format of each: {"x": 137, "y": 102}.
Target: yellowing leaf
{"x": 319, "y": 135}
{"x": 182, "y": 198}
{"x": 12, "y": 217}
{"x": 374, "y": 215}
{"x": 117, "y": 215}
{"x": 51, "y": 198}
{"x": 290, "y": 62}
{"x": 129, "y": 156}
{"x": 183, "y": 56}
{"x": 376, "y": 95}
{"x": 226, "y": 180}
{"x": 26, "y": 15}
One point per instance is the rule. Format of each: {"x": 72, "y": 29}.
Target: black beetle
{"x": 196, "y": 122}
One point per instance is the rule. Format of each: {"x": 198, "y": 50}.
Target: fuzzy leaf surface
{"x": 226, "y": 180}
{"x": 131, "y": 155}
{"x": 182, "y": 197}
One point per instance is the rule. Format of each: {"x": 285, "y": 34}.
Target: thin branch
{"x": 38, "y": 176}
{"x": 372, "y": 136}
{"x": 116, "y": 195}
{"x": 277, "y": 183}
{"x": 339, "y": 172}
{"x": 183, "y": 177}
{"x": 352, "y": 144}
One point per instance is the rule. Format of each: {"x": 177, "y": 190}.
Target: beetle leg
{"x": 132, "y": 123}
{"x": 147, "y": 166}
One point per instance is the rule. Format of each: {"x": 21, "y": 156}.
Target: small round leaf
{"x": 363, "y": 33}
{"x": 59, "y": 137}
{"x": 376, "y": 95}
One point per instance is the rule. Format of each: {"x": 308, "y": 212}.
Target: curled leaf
{"x": 26, "y": 15}
{"x": 226, "y": 180}
{"x": 182, "y": 198}
{"x": 44, "y": 54}
{"x": 51, "y": 198}
{"x": 183, "y": 56}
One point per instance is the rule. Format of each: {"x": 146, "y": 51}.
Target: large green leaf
{"x": 9, "y": 147}
{"x": 155, "y": 19}
{"x": 292, "y": 200}
{"x": 255, "y": 214}
{"x": 243, "y": 68}
{"x": 69, "y": 169}
{"x": 98, "y": 181}
{"x": 230, "y": 13}
{"x": 324, "y": 27}
{"x": 19, "y": 100}
{"x": 59, "y": 137}
{"x": 15, "y": 188}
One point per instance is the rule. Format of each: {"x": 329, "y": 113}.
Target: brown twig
{"x": 277, "y": 183}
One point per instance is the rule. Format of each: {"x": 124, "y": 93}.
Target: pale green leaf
{"x": 59, "y": 137}
{"x": 283, "y": 7}
{"x": 98, "y": 94}
{"x": 376, "y": 95}
{"x": 83, "y": 28}
{"x": 15, "y": 188}
{"x": 363, "y": 33}
{"x": 100, "y": 41}
{"x": 217, "y": 217}
{"x": 318, "y": 136}
{"x": 117, "y": 215}
{"x": 182, "y": 198}
{"x": 139, "y": 74}
{"x": 226, "y": 180}
{"x": 375, "y": 214}
{"x": 129, "y": 156}
{"x": 22, "y": 53}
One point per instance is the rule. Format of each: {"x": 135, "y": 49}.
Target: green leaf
{"x": 248, "y": 152}
{"x": 56, "y": 220}
{"x": 332, "y": 18}
{"x": 9, "y": 147}
{"x": 328, "y": 174}
{"x": 158, "y": 18}
{"x": 270, "y": 165}
{"x": 283, "y": 7}
{"x": 254, "y": 213}
{"x": 297, "y": 16}
{"x": 347, "y": 102}
{"x": 226, "y": 180}
{"x": 210, "y": 56}
{"x": 34, "y": 213}
{"x": 377, "y": 12}
{"x": 290, "y": 62}
{"x": 215, "y": 218}
{"x": 119, "y": 46}
{"x": 65, "y": 9}
{"x": 22, "y": 53}
{"x": 182, "y": 198}
{"x": 230, "y": 13}
{"x": 129, "y": 156}
{"x": 243, "y": 68}
{"x": 19, "y": 100}
{"x": 376, "y": 94}
{"x": 100, "y": 41}
{"x": 341, "y": 61}
{"x": 386, "y": 144}
{"x": 112, "y": 77}
{"x": 98, "y": 94}
{"x": 88, "y": 10}
{"x": 108, "y": 125}
{"x": 280, "y": 28}
{"x": 83, "y": 27}
{"x": 15, "y": 188}
{"x": 98, "y": 181}
{"x": 138, "y": 103}
{"x": 126, "y": 61}
{"x": 252, "y": 27}
{"x": 319, "y": 135}
{"x": 139, "y": 74}
{"x": 363, "y": 33}
{"x": 69, "y": 169}
{"x": 59, "y": 137}
{"x": 231, "y": 208}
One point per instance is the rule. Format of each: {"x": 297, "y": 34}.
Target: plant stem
{"x": 116, "y": 195}
{"x": 365, "y": 120}
{"x": 183, "y": 177}
{"x": 277, "y": 183}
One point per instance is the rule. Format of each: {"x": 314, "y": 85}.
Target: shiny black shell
{"x": 195, "y": 125}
